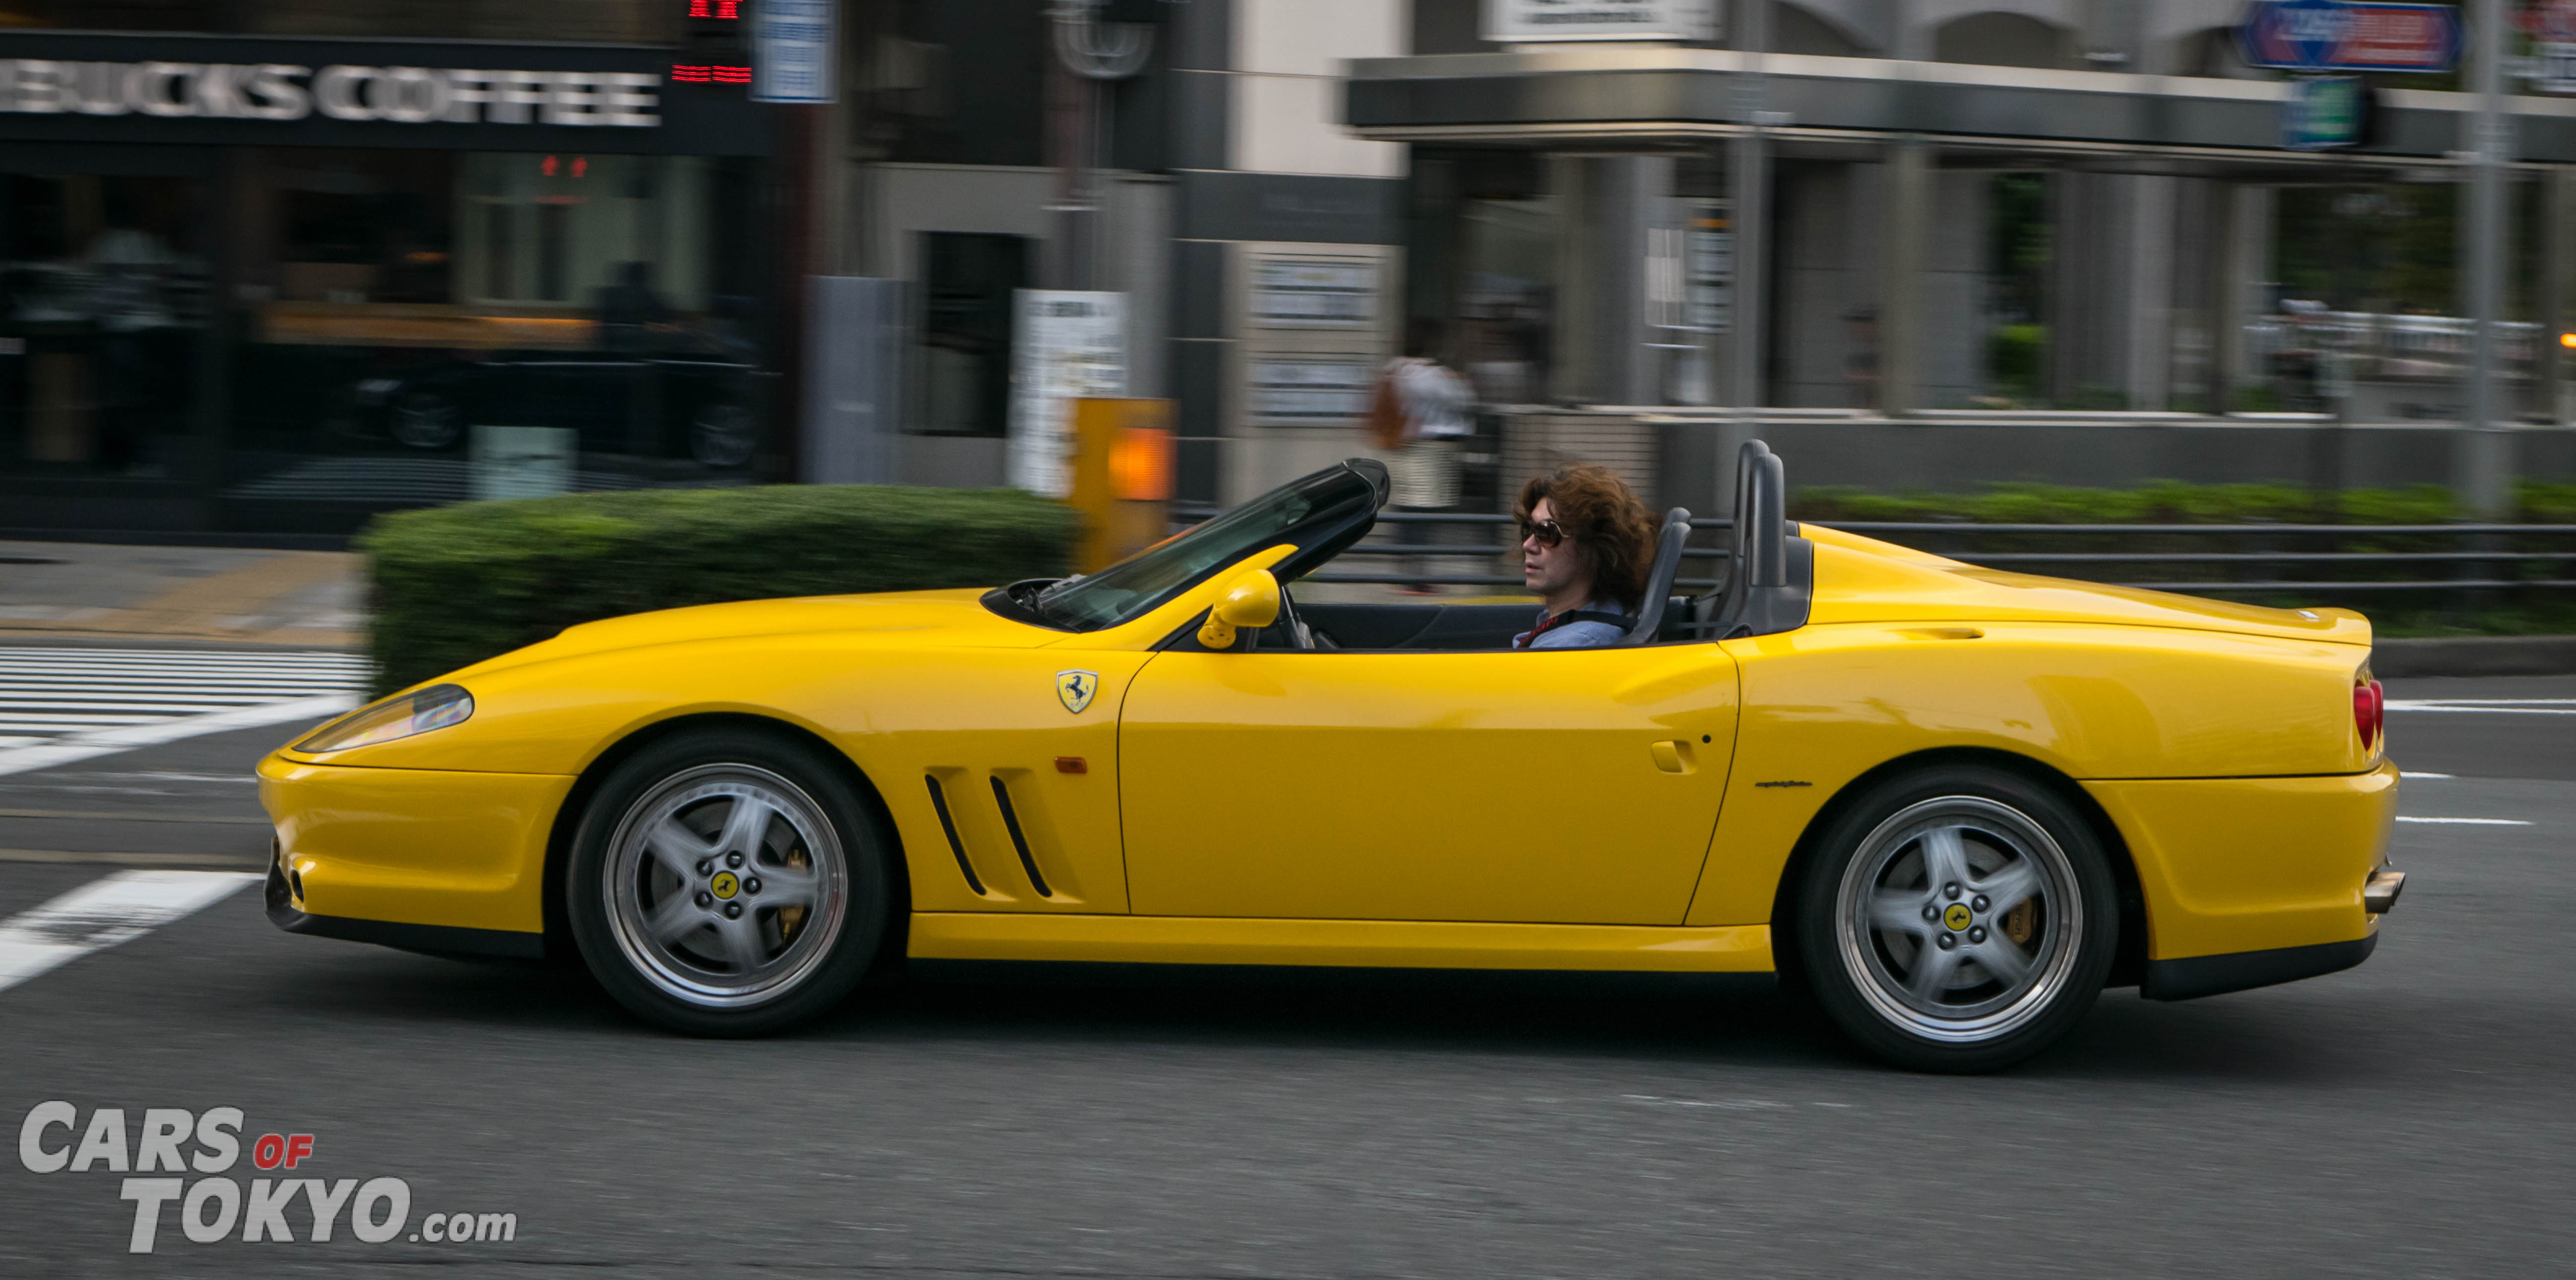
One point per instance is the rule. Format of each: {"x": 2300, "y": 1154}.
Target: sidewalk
{"x": 67, "y": 590}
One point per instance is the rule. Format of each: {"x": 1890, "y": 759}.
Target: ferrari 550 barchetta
{"x": 1951, "y": 804}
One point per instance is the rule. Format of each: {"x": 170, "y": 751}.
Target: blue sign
{"x": 2340, "y": 35}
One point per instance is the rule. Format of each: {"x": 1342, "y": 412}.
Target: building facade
{"x": 1886, "y": 213}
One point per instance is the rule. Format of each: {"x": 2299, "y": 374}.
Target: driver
{"x": 1586, "y": 546}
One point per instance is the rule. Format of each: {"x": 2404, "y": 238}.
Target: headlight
{"x": 435, "y": 707}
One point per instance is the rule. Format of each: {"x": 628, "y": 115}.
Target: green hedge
{"x": 454, "y": 585}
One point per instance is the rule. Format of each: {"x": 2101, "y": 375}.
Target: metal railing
{"x": 2315, "y": 563}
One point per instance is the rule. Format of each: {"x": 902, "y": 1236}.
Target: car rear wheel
{"x": 1958, "y": 919}
{"x": 728, "y": 883}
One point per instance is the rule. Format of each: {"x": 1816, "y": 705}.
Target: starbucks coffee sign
{"x": 284, "y": 91}
{"x": 1541, "y": 21}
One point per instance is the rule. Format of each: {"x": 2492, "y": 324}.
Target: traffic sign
{"x": 2333, "y": 35}
{"x": 2328, "y": 113}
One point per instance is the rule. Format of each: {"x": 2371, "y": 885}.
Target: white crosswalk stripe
{"x": 105, "y": 913}
{"x": 64, "y": 704}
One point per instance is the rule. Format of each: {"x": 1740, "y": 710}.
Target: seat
{"x": 1659, "y": 579}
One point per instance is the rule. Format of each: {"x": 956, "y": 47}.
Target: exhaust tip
{"x": 2381, "y": 892}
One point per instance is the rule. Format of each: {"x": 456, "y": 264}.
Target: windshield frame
{"x": 1319, "y": 535}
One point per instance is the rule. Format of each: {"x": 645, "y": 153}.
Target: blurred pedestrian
{"x": 1420, "y": 414}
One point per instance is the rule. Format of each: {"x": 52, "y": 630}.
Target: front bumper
{"x": 463, "y": 853}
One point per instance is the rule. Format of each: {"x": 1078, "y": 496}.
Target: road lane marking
{"x": 108, "y": 742}
{"x": 105, "y": 913}
{"x": 2488, "y": 706}
{"x": 2423, "y": 775}
{"x": 192, "y": 819}
{"x": 135, "y": 859}
{"x": 2469, "y": 822}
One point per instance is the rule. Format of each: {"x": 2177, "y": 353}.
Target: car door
{"x": 1554, "y": 786}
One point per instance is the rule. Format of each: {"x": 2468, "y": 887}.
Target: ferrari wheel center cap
{"x": 1957, "y": 917}
{"x": 726, "y": 884}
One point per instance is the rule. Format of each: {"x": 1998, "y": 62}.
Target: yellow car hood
{"x": 910, "y": 619}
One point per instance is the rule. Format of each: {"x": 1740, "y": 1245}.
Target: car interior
{"x": 1769, "y": 580}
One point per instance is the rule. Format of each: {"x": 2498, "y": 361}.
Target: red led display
{"x": 720, "y": 10}
{"x": 733, "y": 75}
{"x": 692, "y": 75}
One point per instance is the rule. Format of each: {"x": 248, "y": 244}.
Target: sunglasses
{"x": 1548, "y": 532}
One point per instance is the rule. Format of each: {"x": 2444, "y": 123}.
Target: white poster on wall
{"x": 1523, "y": 21}
{"x": 793, "y": 43}
{"x": 522, "y": 462}
{"x": 1065, "y": 345}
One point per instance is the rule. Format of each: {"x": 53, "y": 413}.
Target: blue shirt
{"x": 1575, "y": 635}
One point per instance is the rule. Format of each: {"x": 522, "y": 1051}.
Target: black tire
{"x": 804, "y": 901}
{"x": 1932, "y": 971}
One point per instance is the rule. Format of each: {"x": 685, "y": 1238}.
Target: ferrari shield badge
{"x": 1076, "y": 688}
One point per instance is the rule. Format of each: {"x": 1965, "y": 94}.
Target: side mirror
{"x": 1253, "y": 601}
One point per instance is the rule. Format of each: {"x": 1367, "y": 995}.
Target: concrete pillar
{"x": 1952, "y": 341}
{"x": 2244, "y": 261}
{"x": 1611, "y": 206}
{"x": 2147, "y": 372}
{"x": 1905, "y": 222}
{"x": 2111, "y": 298}
{"x": 1748, "y": 190}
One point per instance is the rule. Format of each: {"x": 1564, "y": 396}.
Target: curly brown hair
{"x": 1601, "y": 514}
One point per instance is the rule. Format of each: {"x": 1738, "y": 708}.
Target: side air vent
{"x": 1019, "y": 839}
{"x": 939, "y": 801}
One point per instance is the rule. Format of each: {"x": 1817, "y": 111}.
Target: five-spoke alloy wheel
{"x": 727, "y": 883}
{"x": 1958, "y": 918}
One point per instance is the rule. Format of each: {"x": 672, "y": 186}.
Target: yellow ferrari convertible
{"x": 1951, "y": 804}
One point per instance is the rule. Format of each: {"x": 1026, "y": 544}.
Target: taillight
{"x": 2369, "y": 712}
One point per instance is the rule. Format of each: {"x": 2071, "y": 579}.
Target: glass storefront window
{"x": 102, "y": 314}
{"x": 434, "y": 326}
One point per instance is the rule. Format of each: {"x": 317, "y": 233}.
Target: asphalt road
{"x": 2413, "y": 1117}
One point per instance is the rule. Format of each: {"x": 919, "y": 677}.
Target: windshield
{"x": 1134, "y": 586}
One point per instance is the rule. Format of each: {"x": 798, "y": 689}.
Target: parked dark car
{"x": 669, "y": 405}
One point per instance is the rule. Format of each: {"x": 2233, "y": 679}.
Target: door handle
{"x": 1671, "y": 757}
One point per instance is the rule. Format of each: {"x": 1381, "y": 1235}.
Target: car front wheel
{"x": 1958, "y": 919}
{"x": 728, "y": 883}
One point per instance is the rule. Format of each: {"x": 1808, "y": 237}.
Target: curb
{"x": 2475, "y": 656}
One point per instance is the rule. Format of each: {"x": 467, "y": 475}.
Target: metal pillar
{"x": 2557, "y": 260}
{"x": 1906, "y": 221}
{"x": 2482, "y": 454}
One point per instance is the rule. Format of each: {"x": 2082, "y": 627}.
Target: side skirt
{"x": 2196, "y": 976}
{"x": 1388, "y": 944}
